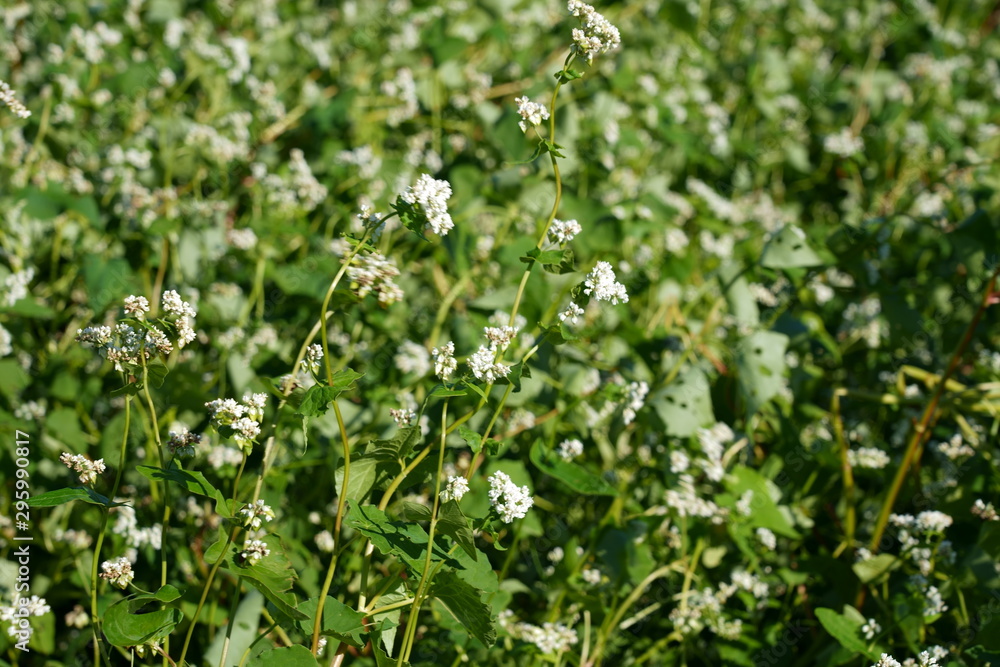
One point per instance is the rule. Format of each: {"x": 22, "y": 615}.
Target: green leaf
{"x": 124, "y": 625}
{"x": 846, "y": 629}
{"x": 517, "y": 371}
{"x": 246, "y": 624}
{"x": 272, "y": 575}
{"x": 453, "y": 523}
{"x": 760, "y": 359}
{"x": 567, "y": 75}
{"x": 28, "y": 308}
{"x": 339, "y": 621}
{"x": 685, "y": 405}
{"x": 766, "y": 512}
{"x": 395, "y": 448}
{"x": 788, "y": 249}
{"x": 466, "y": 604}
{"x": 558, "y": 334}
{"x": 472, "y": 439}
{"x": 287, "y": 656}
{"x": 61, "y": 496}
{"x": 318, "y": 398}
{"x": 360, "y": 481}
{"x": 192, "y": 480}
{"x": 569, "y": 473}
{"x": 167, "y": 593}
{"x": 444, "y": 391}
{"x": 545, "y": 256}
{"x": 873, "y": 568}
{"x": 131, "y": 389}
{"x": 540, "y": 148}
{"x": 406, "y": 541}
{"x": 156, "y": 372}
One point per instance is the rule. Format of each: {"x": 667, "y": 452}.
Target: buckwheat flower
{"x": 403, "y": 417}
{"x": 324, "y": 541}
{"x": 767, "y": 538}
{"x": 375, "y": 273}
{"x": 454, "y": 489}
{"x": 871, "y": 628}
{"x": 5, "y": 342}
{"x": 743, "y": 506}
{"x": 985, "y": 511}
{"x": 563, "y": 231}
{"x": 570, "y": 449}
{"x": 591, "y": 575}
{"x": 255, "y": 404}
{"x": 9, "y": 99}
{"x": 253, "y": 514}
{"x": 431, "y": 196}
{"x": 245, "y": 431}
{"x": 444, "y": 360}
{"x": 887, "y": 661}
{"x": 77, "y": 617}
{"x": 843, "y": 143}
{"x": 242, "y": 239}
{"x": 868, "y": 457}
{"x": 412, "y": 358}
{"x": 500, "y": 337}
{"x": 635, "y": 399}
{"x": 510, "y": 501}
{"x": 87, "y": 469}
{"x": 137, "y": 306}
{"x": 933, "y": 521}
{"x": 556, "y": 555}
{"x": 253, "y": 551}
{"x": 117, "y": 571}
{"x": 602, "y": 283}
{"x": 933, "y": 602}
{"x": 597, "y": 35}
{"x": 185, "y": 312}
{"x": 571, "y": 313}
{"x": 532, "y": 113}
{"x": 483, "y": 367}
{"x": 182, "y": 443}
{"x": 314, "y": 354}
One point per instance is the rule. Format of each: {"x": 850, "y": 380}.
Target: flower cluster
{"x": 508, "y": 499}
{"x": 19, "y": 612}
{"x": 597, "y": 35}
{"x": 603, "y": 284}
{"x": 868, "y": 457}
{"x": 455, "y": 488}
{"x": 532, "y": 113}
{"x": 185, "y": 313}
{"x": 117, "y": 571}
{"x": 563, "y": 231}
{"x": 9, "y": 99}
{"x": 253, "y": 514}
{"x": 570, "y": 449}
{"x": 374, "y": 272}
{"x": 314, "y": 355}
{"x": 183, "y": 442}
{"x": 430, "y": 197}
{"x": 484, "y": 367}
{"x": 242, "y": 418}
{"x": 985, "y": 511}
{"x": 253, "y": 551}
{"x": 444, "y": 360}
{"x": 87, "y": 469}
{"x": 549, "y": 638}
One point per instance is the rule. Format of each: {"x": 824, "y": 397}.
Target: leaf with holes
{"x": 685, "y": 405}
{"x": 789, "y": 248}
{"x": 760, "y": 360}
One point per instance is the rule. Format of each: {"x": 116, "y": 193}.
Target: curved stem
{"x": 204, "y": 594}
{"x": 411, "y": 623}
{"x": 923, "y": 429}
{"x": 338, "y": 523}
{"x": 100, "y": 536}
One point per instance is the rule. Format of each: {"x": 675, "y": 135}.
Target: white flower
{"x": 117, "y": 571}
{"x": 591, "y": 575}
{"x": 985, "y": 511}
{"x": 532, "y": 113}
{"x": 253, "y": 551}
{"x": 767, "y": 538}
{"x": 9, "y": 99}
{"x": 403, "y": 417}
{"x": 375, "y": 272}
{"x": 88, "y": 470}
{"x": 431, "y": 196}
{"x": 597, "y": 35}
{"x": 412, "y": 358}
{"x": 444, "y": 360}
{"x": 556, "y": 555}
{"x": 500, "y": 337}
{"x": 871, "y": 628}
{"x": 601, "y": 281}
{"x": 483, "y": 367}
{"x": 510, "y": 501}
{"x": 314, "y": 354}
{"x": 136, "y": 305}
{"x": 255, "y": 513}
{"x": 844, "y": 143}
{"x": 570, "y": 449}
{"x": 571, "y": 313}
{"x": 324, "y": 541}
{"x": 868, "y": 457}
{"x": 679, "y": 461}
{"x": 563, "y": 231}
{"x": 455, "y": 489}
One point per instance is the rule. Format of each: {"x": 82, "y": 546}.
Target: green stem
{"x": 232, "y": 619}
{"x": 95, "y": 624}
{"x": 204, "y": 593}
{"x": 411, "y": 624}
{"x": 338, "y": 522}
